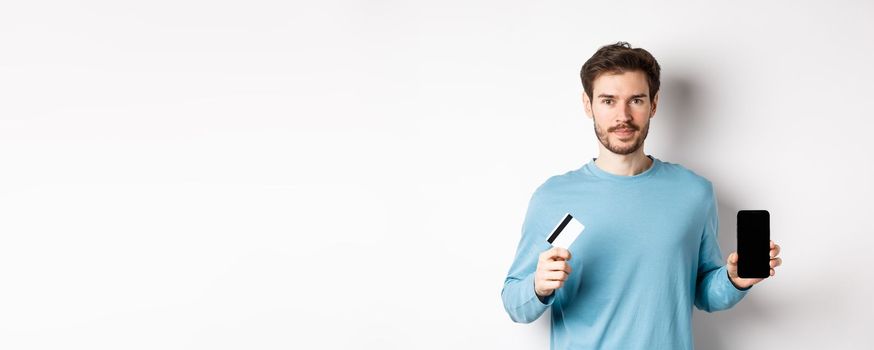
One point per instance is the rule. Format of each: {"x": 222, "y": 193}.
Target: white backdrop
{"x": 354, "y": 174}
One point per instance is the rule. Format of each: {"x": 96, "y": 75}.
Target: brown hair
{"x": 620, "y": 58}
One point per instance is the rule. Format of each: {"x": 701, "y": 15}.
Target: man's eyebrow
{"x": 612, "y": 96}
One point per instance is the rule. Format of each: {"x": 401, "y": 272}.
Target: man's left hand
{"x": 744, "y": 283}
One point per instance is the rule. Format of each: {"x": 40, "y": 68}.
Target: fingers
{"x": 776, "y": 262}
{"x": 552, "y": 271}
{"x": 555, "y": 276}
{"x": 557, "y": 266}
{"x": 556, "y": 253}
{"x": 552, "y": 285}
{"x": 775, "y": 249}
{"x": 732, "y": 265}
{"x": 732, "y": 260}
{"x": 561, "y": 254}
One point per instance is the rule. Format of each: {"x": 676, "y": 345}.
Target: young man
{"x": 649, "y": 250}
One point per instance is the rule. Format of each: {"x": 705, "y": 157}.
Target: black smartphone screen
{"x": 753, "y": 244}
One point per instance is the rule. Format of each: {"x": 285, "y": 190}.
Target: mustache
{"x": 624, "y": 126}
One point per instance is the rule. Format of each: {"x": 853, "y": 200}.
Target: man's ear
{"x": 587, "y": 104}
{"x": 655, "y": 104}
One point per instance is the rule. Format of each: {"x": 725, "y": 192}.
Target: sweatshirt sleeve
{"x": 714, "y": 290}
{"x": 520, "y": 301}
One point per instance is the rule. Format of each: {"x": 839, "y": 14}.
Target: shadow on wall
{"x": 682, "y": 116}
{"x": 680, "y": 101}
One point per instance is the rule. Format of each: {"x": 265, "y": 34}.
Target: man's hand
{"x": 552, "y": 271}
{"x": 744, "y": 283}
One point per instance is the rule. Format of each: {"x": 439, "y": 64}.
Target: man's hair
{"x": 620, "y": 58}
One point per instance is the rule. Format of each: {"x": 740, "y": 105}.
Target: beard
{"x": 619, "y": 147}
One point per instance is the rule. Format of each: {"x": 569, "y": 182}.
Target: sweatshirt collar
{"x": 595, "y": 170}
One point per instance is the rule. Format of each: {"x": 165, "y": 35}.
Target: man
{"x": 649, "y": 250}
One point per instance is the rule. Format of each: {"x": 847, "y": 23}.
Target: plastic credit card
{"x": 566, "y": 232}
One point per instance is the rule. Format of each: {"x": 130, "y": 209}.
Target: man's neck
{"x": 623, "y": 165}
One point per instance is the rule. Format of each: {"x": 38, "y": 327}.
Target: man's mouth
{"x": 623, "y": 132}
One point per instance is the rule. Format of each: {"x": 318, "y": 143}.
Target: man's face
{"x": 621, "y": 110}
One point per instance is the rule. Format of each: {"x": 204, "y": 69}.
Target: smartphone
{"x": 753, "y": 244}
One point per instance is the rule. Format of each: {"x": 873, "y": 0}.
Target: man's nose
{"x": 623, "y": 113}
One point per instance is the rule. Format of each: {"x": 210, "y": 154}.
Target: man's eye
{"x": 637, "y": 101}
{"x": 607, "y": 101}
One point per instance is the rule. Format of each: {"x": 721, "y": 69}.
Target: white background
{"x": 349, "y": 175}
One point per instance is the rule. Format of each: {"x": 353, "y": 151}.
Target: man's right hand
{"x": 552, "y": 271}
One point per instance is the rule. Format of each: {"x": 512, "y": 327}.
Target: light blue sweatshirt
{"x": 648, "y": 252}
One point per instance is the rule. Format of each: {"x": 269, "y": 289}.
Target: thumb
{"x": 732, "y": 259}
{"x": 731, "y": 264}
